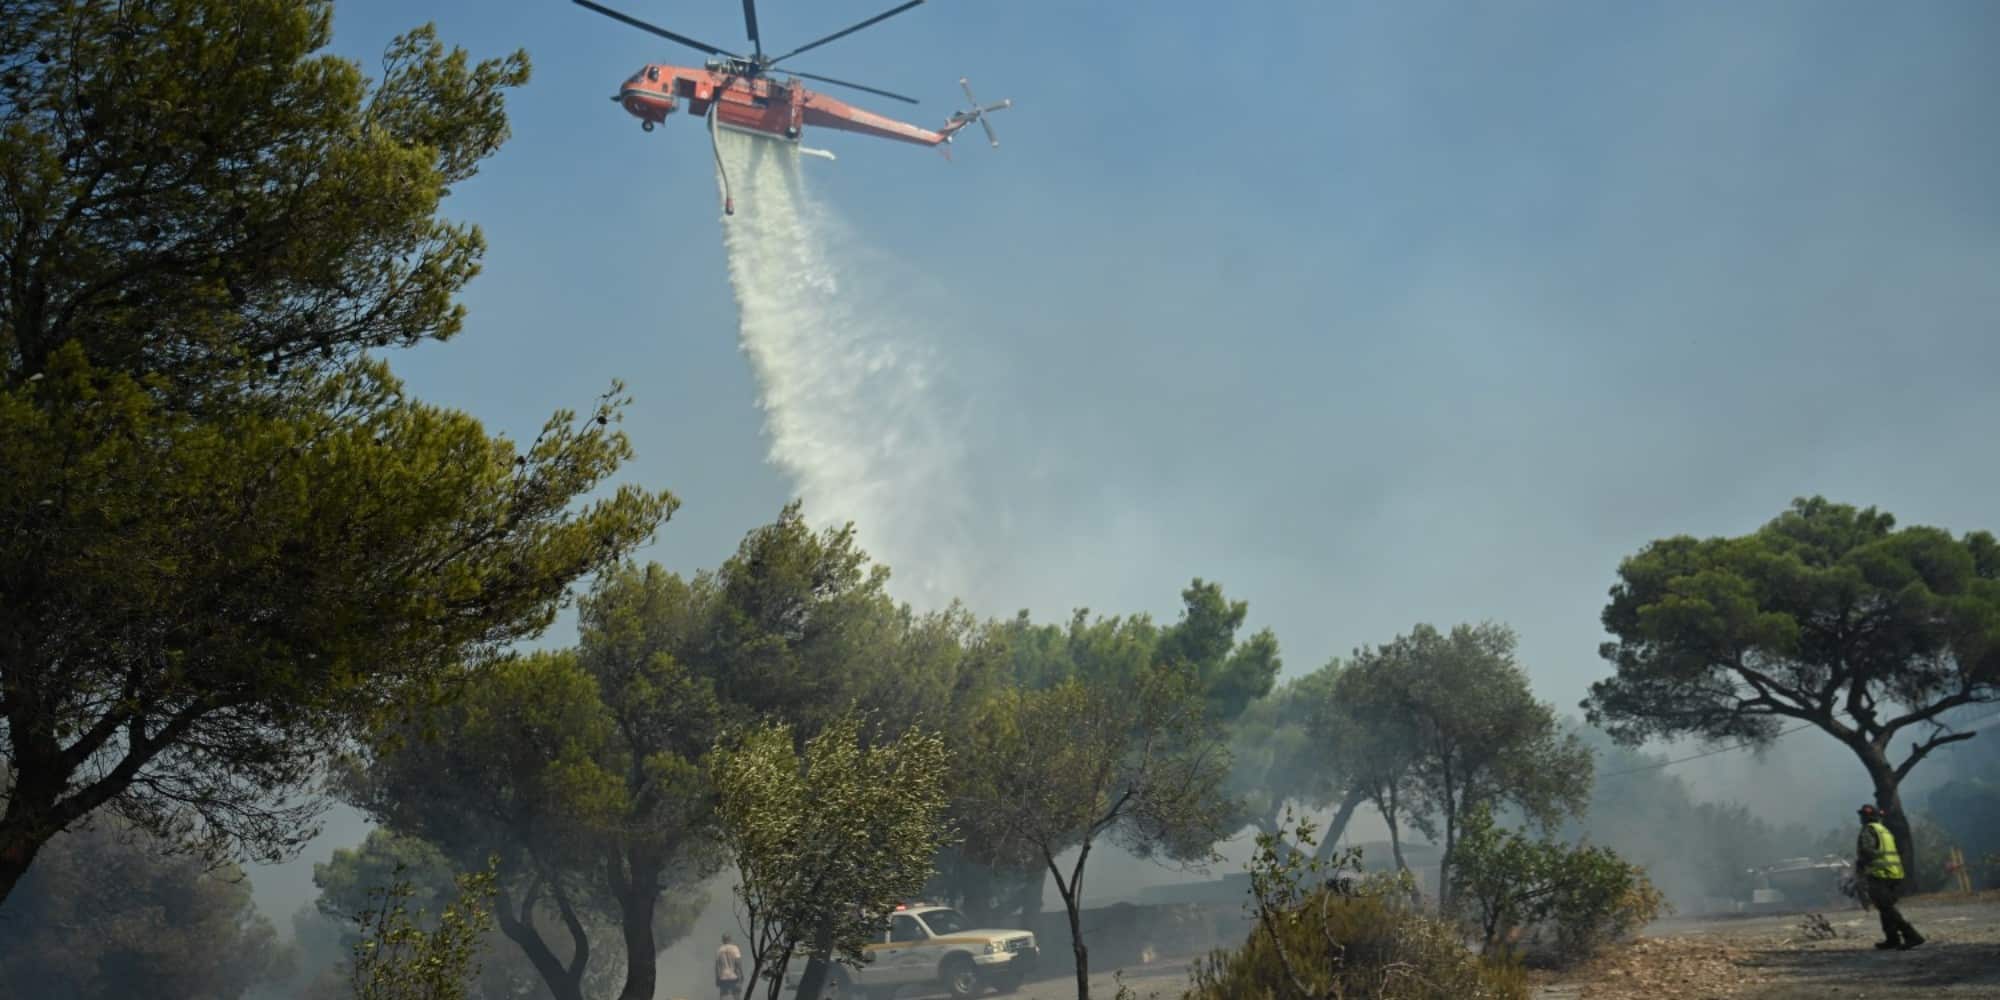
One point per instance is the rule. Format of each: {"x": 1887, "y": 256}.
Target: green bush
{"x": 1569, "y": 902}
{"x": 1968, "y": 811}
{"x": 1321, "y": 934}
{"x": 398, "y": 959}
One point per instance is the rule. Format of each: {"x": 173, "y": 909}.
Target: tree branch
{"x": 1964, "y": 696}
{"x": 1050, "y": 860}
{"x": 580, "y": 954}
{"x": 139, "y": 751}
{"x": 1922, "y": 750}
{"x": 1768, "y": 688}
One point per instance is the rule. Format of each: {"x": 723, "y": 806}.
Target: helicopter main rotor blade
{"x": 657, "y": 30}
{"x": 856, "y": 86}
{"x": 885, "y": 15}
{"x": 750, "y": 21}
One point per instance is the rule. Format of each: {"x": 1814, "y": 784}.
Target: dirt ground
{"x": 1774, "y": 957}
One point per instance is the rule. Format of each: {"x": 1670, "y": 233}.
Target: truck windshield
{"x": 944, "y": 922}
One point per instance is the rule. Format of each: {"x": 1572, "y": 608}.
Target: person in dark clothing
{"x": 1881, "y": 865}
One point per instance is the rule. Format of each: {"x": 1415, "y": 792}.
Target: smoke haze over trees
{"x": 235, "y": 549}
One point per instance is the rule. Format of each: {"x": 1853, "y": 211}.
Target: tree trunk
{"x": 1072, "y": 897}
{"x": 1341, "y": 817}
{"x": 563, "y": 983}
{"x": 1082, "y": 951}
{"x": 1396, "y": 842}
{"x": 817, "y": 963}
{"x": 637, "y": 897}
{"x": 34, "y": 813}
{"x": 642, "y": 959}
{"x": 1446, "y": 892}
{"x": 1889, "y": 799}
{"x": 17, "y": 852}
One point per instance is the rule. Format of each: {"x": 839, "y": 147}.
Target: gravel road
{"x": 1159, "y": 981}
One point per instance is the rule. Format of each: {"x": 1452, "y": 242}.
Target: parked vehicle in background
{"x": 928, "y": 945}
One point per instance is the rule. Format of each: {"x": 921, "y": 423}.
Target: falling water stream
{"x": 845, "y": 372}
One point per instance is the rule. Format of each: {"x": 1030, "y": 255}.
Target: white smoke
{"x": 849, "y": 383}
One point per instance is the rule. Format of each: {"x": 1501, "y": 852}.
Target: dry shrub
{"x": 1339, "y": 946}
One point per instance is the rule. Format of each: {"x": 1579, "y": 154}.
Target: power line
{"x": 1974, "y": 724}
{"x": 1657, "y": 765}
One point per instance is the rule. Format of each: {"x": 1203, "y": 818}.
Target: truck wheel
{"x": 961, "y": 977}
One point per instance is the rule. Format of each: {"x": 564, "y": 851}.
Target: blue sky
{"x": 1376, "y": 313}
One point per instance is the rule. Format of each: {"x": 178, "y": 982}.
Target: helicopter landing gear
{"x": 645, "y": 126}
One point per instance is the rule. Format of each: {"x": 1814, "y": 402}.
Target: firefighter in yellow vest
{"x": 1881, "y": 865}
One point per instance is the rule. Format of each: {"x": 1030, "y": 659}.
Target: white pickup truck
{"x": 925, "y": 945}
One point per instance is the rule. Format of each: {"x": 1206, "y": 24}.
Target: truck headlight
{"x": 992, "y": 947}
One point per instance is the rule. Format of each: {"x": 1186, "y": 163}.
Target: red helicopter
{"x": 736, "y": 92}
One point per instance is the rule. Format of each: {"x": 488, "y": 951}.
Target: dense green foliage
{"x": 110, "y": 911}
{"x": 585, "y": 769}
{"x": 1437, "y": 725}
{"x": 1140, "y": 762}
{"x": 1828, "y": 615}
{"x": 384, "y": 859}
{"x": 196, "y": 193}
{"x": 1202, "y": 644}
{"x": 995, "y": 870}
{"x": 1571, "y": 899}
{"x": 592, "y": 817}
{"x": 826, "y": 842}
{"x": 227, "y": 539}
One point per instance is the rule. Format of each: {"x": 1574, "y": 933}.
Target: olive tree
{"x": 1057, "y": 769}
{"x": 1463, "y": 730}
{"x": 825, "y": 842}
{"x": 403, "y": 956}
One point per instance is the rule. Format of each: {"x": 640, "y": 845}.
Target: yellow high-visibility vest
{"x": 1887, "y": 864}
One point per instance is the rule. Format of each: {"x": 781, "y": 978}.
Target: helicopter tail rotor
{"x": 977, "y": 113}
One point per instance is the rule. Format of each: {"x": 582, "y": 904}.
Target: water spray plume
{"x": 846, "y": 380}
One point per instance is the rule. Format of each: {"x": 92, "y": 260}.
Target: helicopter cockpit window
{"x": 653, "y": 73}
